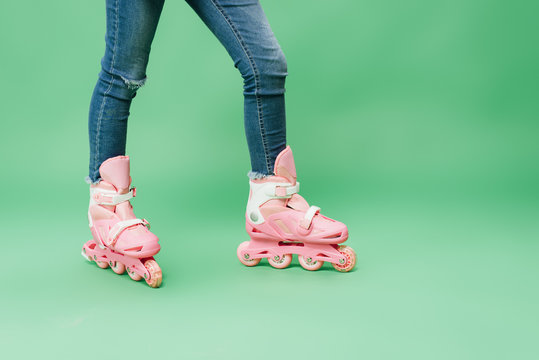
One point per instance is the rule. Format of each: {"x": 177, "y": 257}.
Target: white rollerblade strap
{"x": 120, "y": 226}
{"x": 282, "y": 191}
{"x": 109, "y": 197}
{"x": 263, "y": 192}
{"x": 308, "y": 218}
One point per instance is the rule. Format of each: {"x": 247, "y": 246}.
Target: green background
{"x": 415, "y": 123}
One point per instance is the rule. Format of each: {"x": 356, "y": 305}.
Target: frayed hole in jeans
{"x": 134, "y": 84}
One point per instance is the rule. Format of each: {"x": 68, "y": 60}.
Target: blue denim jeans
{"x": 240, "y": 25}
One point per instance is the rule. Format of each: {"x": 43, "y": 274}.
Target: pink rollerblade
{"x": 120, "y": 240}
{"x": 281, "y": 223}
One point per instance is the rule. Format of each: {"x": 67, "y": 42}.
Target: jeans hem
{"x": 89, "y": 181}
{"x": 255, "y": 175}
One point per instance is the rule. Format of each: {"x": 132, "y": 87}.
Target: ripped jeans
{"x": 241, "y": 27}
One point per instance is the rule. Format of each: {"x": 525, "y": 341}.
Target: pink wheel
{"x": 102, "y": 264}
{"x": 156, "y": 276}
{"x": 133, "y": 275}
{"x": 309, "y": 264}
{"x": 350, "y": 261}
{"x": 117, "y": 267}
{"x": 86, "y": 256}
{"x": 245, "y": 259}
{"x": 280, "y": 262}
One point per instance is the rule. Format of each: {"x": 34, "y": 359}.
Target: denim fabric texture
{"x": 243, "y": 29}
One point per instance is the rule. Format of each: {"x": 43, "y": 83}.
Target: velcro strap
{"x": 284, "y": 191}
{"x": 120, "y": 226}
{"x": 308, "y": 218}
{"x": 105, "y": 197}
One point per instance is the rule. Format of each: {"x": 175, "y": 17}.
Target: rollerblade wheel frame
{"x": 350, "y": 261}
{"x": 245, "y": 259}
{"x": 309, "y": 264}
{"x": 280, "y": 262}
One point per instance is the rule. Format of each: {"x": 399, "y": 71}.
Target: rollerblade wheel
{"x": 117, "y": 267}
{"x": 309, "y": 264}
{"x": 102, "y": 264}
{"x": 245, "y": 259}
{"x": 86, "y": 256}
{"x": 350, "y": 261}
{"x": 156, "y": 276}
{"x": 133, "y": 275}
{"x": 89, "y": 258}
{"x": 280, "y": 262}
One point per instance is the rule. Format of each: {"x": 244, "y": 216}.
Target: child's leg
{"x": 241, "y": 26}
{"x": 131, "y": 27}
